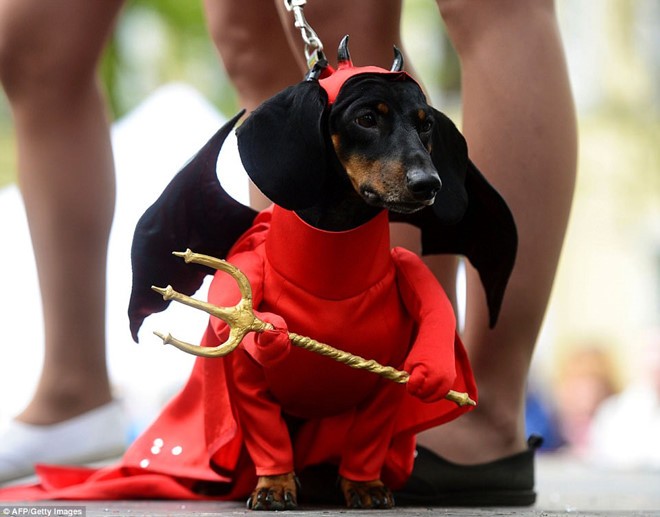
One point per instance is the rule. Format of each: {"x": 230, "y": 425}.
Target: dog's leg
{"x": 275, "y": 493}
{"x": 366, "y": 494}
{"x": 265, "y": 434}
{"x": 365, "y": 453}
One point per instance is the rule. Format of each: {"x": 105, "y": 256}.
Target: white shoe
{"x": 96, "y": 435}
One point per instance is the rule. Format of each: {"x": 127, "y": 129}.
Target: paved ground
{"x": 572, "y": 487}
{"x": 565, "y": 488}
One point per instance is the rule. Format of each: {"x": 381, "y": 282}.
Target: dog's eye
{"x": 426, "y": 126}
{"x": 367, "y": 120}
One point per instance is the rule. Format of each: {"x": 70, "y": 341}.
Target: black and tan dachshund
{"x": 338, "y": 154}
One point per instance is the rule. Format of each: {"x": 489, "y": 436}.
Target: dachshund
{"x": 340, "y": 154}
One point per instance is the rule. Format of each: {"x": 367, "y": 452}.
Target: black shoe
{"x": 437, "y": 482}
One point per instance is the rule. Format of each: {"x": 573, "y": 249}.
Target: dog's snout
{"x": 422, "y": 184}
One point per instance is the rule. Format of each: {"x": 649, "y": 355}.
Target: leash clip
{"x": 313, "y": 46}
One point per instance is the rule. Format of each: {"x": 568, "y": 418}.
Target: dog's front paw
{"x": 274, "y": 493}
{"x": 429, "y": 385}
{"x": 366, "y": 494}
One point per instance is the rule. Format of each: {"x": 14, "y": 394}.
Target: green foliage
{"x": 185, "y": 53}
{"x": 7, "y": 156}
{"x": 109, "y": 72}
{"x": 185, "y": 16}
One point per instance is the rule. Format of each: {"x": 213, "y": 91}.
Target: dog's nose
{"x": 422, "y": 184}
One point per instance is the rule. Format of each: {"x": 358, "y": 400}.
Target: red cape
{"x": 235, "y": 420}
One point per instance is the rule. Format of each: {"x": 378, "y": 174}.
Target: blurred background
{"x": 595, "y": 383}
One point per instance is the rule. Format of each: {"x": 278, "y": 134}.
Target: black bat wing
{"x": 486, "y": 235}
{"x": 194, "y": 211}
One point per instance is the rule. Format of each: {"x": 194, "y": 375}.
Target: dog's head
{"x": 373, "y": 126}
{"x": 381, "y": 131}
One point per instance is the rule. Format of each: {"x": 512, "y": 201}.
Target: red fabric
{"x": 333, "y": 82}
{"x": 235, "y": 419}
{"x": 270, "y": 346}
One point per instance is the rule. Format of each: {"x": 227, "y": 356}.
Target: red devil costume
{"x": 267, "y": 408}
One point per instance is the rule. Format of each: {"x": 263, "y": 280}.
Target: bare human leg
{"x": 520, "y": 125}
{"x": 253, "y": 48}
{"x": 48, "y": 57}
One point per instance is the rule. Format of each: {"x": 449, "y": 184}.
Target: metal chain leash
{"x": 313, "y": 45}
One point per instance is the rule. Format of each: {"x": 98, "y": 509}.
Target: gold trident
{"x": 242, "y": 320}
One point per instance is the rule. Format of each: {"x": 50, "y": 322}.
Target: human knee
{"x": 469, "y": 20}
{"x": 10, "y": 60}
{"x": 258, "y": 64}
{"x": 237, "y": 50}
{"x": 32, "y": 66}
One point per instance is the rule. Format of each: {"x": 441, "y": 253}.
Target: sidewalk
{"x": 565, "y": 488}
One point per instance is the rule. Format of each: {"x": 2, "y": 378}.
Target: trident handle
{"x": 242, "y": 320}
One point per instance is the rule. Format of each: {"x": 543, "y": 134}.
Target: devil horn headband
{"x": 332, "y": 80}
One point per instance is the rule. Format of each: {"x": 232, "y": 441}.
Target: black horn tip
{"x": 397, "y": 64}
{"x": 343, "y": 55}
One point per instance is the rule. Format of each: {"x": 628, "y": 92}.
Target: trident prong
{"x": 222, "y": 265}
{"x": 242, "y": 320}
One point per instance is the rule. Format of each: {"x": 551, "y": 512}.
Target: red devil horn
{"x": 397, "y": 64}
{"x": 343, "y": 55}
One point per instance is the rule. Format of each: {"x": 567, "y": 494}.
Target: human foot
{"x": 508, "y": 481}
{"x": 92, "y": 436}
{"x": 483, "y": 435}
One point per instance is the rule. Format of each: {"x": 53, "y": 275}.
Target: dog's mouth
{"x": 373, "y": 198}
{"x": 405, "y": 208}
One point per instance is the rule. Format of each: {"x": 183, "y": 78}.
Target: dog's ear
{"x": 195, "y": 212}
{"x": 468, "y": 217}
{"x": 283, "y": 148}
